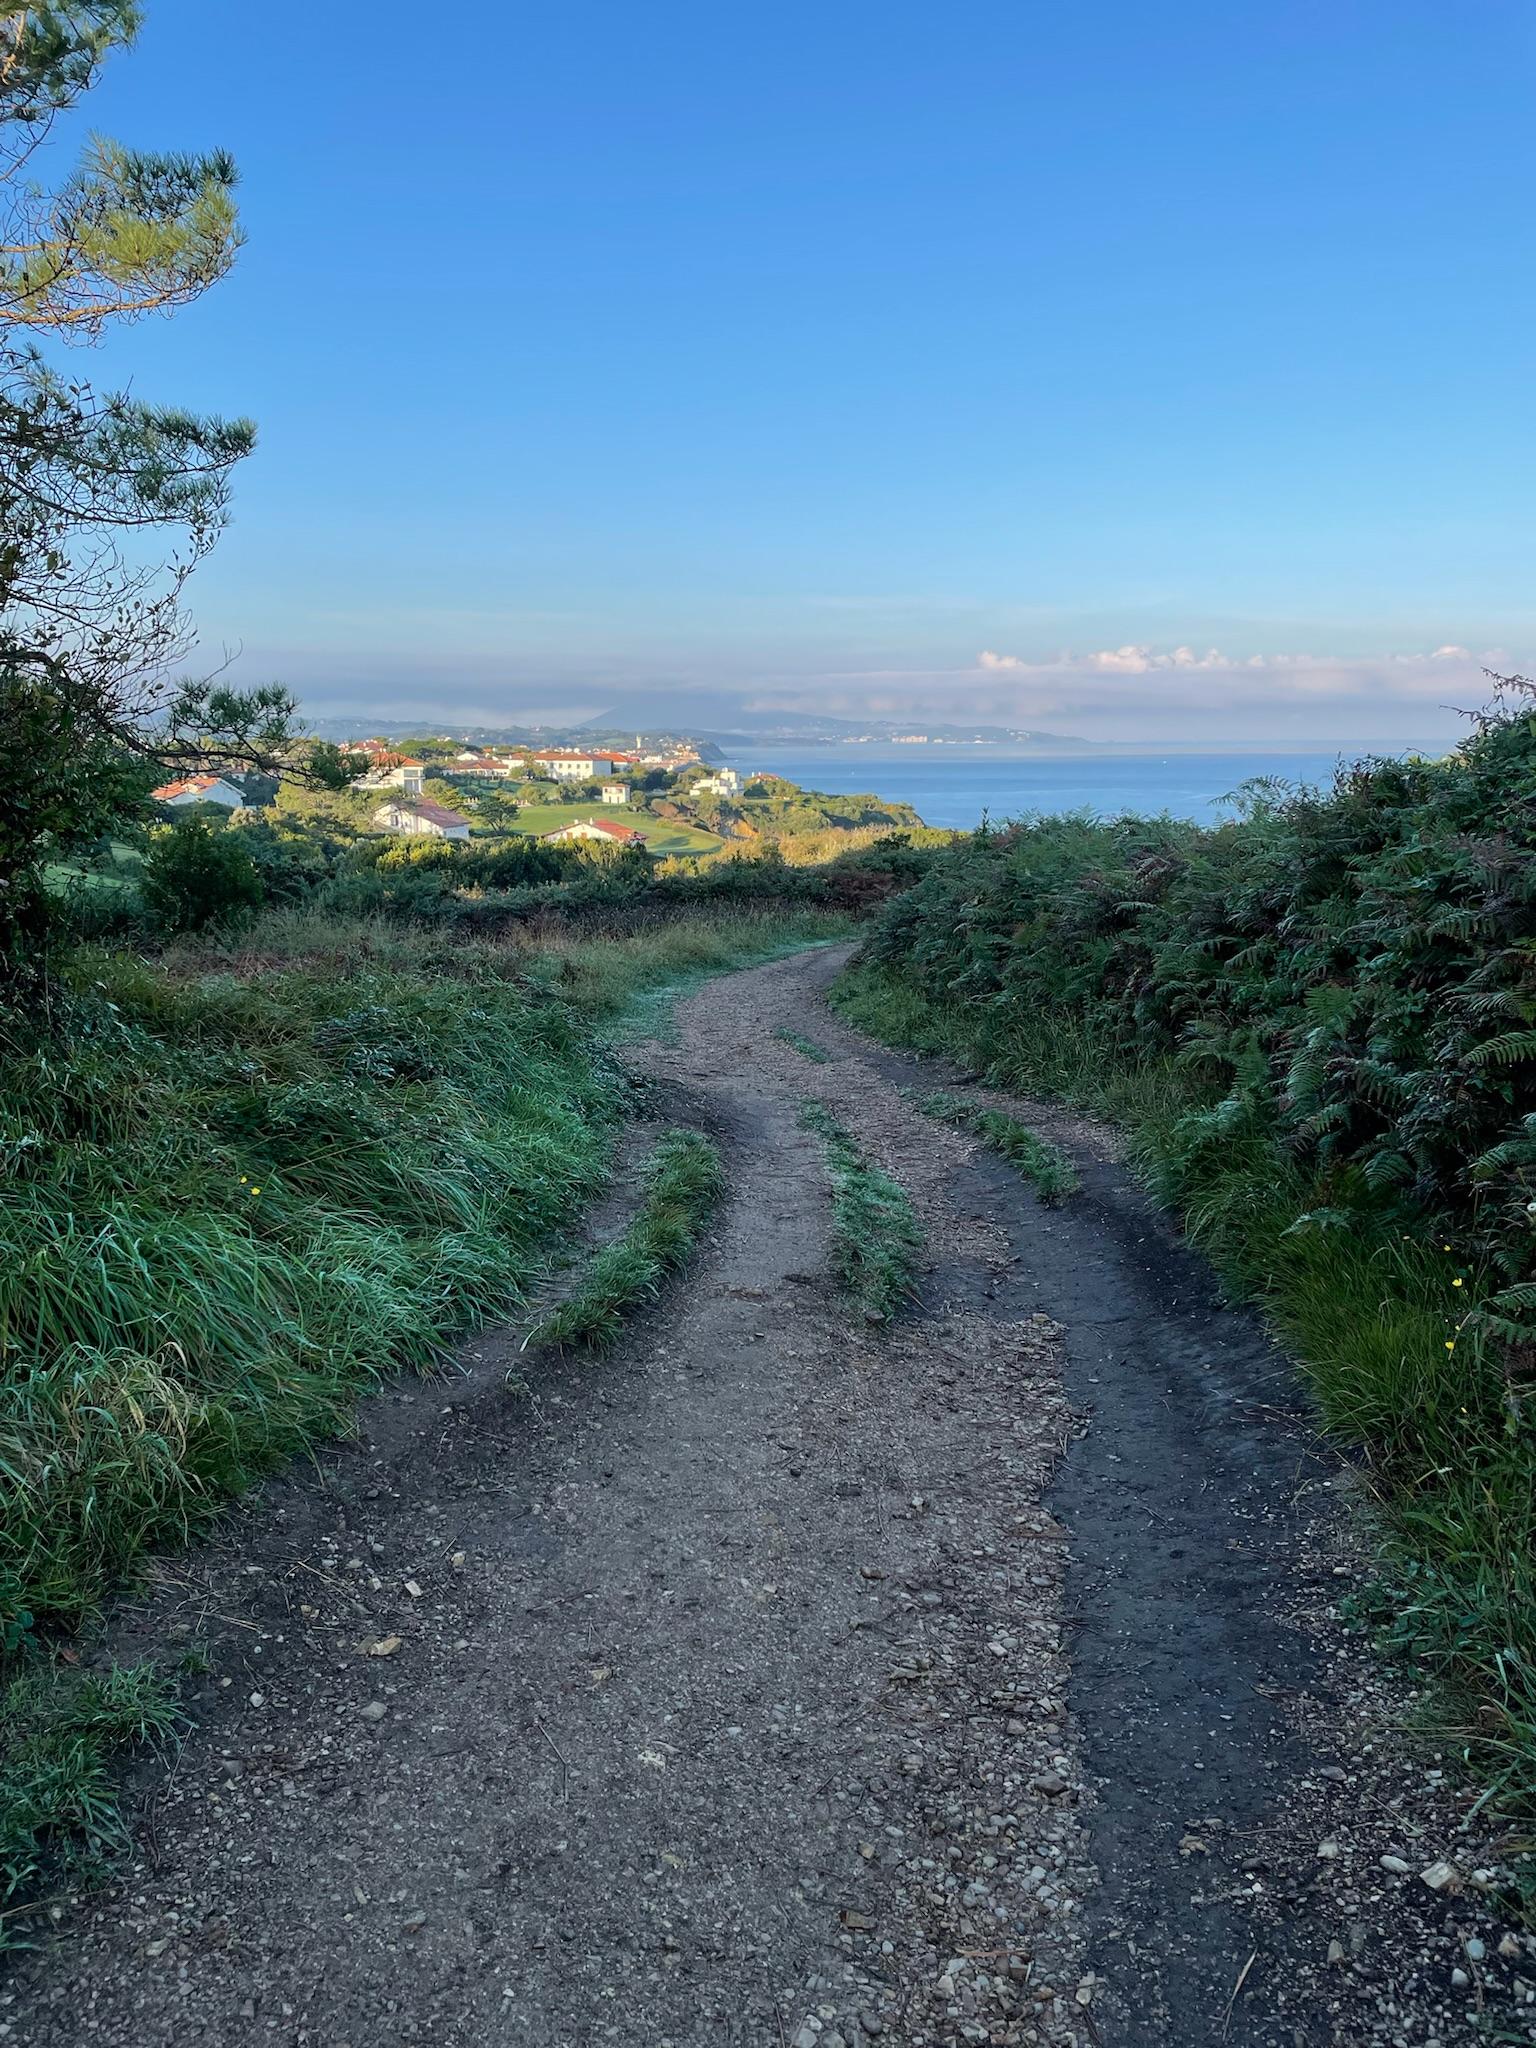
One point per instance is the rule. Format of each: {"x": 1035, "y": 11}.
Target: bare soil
{"x": 785, "y": 1680}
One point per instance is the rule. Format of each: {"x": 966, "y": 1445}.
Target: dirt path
{"x": 783, "y": 1681}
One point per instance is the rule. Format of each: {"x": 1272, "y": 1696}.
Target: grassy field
{"x": 662, "y": 835}
{"x": 115, "y": 872}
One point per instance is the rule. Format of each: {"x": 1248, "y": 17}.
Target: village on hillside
{"x": 661, "y": 798}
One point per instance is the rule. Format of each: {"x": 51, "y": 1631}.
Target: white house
{"x": 615, "y": 792}
{"x": 419, "y": 814}
{"x": 602, "y": 830}
{"x": 723, "y": 782}
{"x": 569, "y": 764}
{"x": 563, "y": 765}
{"x": 393, "y": 772}
{"x": 200, "y": 789}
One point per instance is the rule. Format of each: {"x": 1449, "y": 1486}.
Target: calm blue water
{"x": 955, "y": 789}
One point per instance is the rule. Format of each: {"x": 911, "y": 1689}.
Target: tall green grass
{"x": 234, "y": 1204}
{"x": 59, "y": 1734}
{"x": 244, "y": 1182}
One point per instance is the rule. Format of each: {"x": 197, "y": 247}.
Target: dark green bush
{"x": 197, "y": 876}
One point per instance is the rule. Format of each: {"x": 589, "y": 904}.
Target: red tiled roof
{"x": 186, "y": 787}
{"x": 625, "y": 833}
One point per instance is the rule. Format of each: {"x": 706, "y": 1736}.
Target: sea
{"x": 959, "y": 786}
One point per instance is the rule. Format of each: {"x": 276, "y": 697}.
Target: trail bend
{"x": 785, "y": 1680}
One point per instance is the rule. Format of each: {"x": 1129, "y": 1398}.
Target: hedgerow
{"x": 1319, "y": 1019}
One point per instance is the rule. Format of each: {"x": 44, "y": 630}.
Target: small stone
{"x": 258, "y": 1699}
{"x": 375, "y": 1710}
{"x": 1459, "y": 1980}
{"x": 833, "y": 2039}
{"x": 1476, "y": 1950}
{"x": 1335, "y": 1951}
{"x": 413, "y": 1589}
{"x": 386, "y": 1646}
{"x": 1438, "y": 1876}
{"x": 413, "y": 1921}
{"x": 1395, "y": 1865}
{"x": 872, "y": 2023}
{"x": 458, "y": 1560}
{"x": 1509, "y": 1948}
{"x": 1052, "y": 1784}
{"x": 945, "y": 1986}
{"x": 807, "y": 2037}
{"x": 1334, "y": 1774}
{"x": 1327, "y": 1851}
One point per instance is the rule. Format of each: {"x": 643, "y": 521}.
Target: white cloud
{"x": 1183, "y": 695}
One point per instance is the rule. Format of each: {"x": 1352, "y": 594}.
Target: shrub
{"x": 197, "y": 876}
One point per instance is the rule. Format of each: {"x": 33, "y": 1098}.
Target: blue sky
{"x": 821, "y": 351}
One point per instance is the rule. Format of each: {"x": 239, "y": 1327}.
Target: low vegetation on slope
{"x": 203, "y": 872}
{"x": 1320, "y": 1022}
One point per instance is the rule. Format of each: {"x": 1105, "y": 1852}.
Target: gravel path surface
{"x": 783, "y": 1681}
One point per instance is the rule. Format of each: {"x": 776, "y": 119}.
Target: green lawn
{"x": 662, "y": 835}
{"x": 115, "y": 872}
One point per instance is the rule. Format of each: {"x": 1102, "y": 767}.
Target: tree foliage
{"x": 91, "y": 632}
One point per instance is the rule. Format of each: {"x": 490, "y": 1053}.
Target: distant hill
{"x": 711, "y": 719}
{"x": 721, "y": 717}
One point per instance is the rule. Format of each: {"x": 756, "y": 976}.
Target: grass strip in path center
{"x": 807, "y": 1048}
{"x": 875, "y": 1232}
{"x": 1049, "y": 1172}
{"x": 684, "y": 1180}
